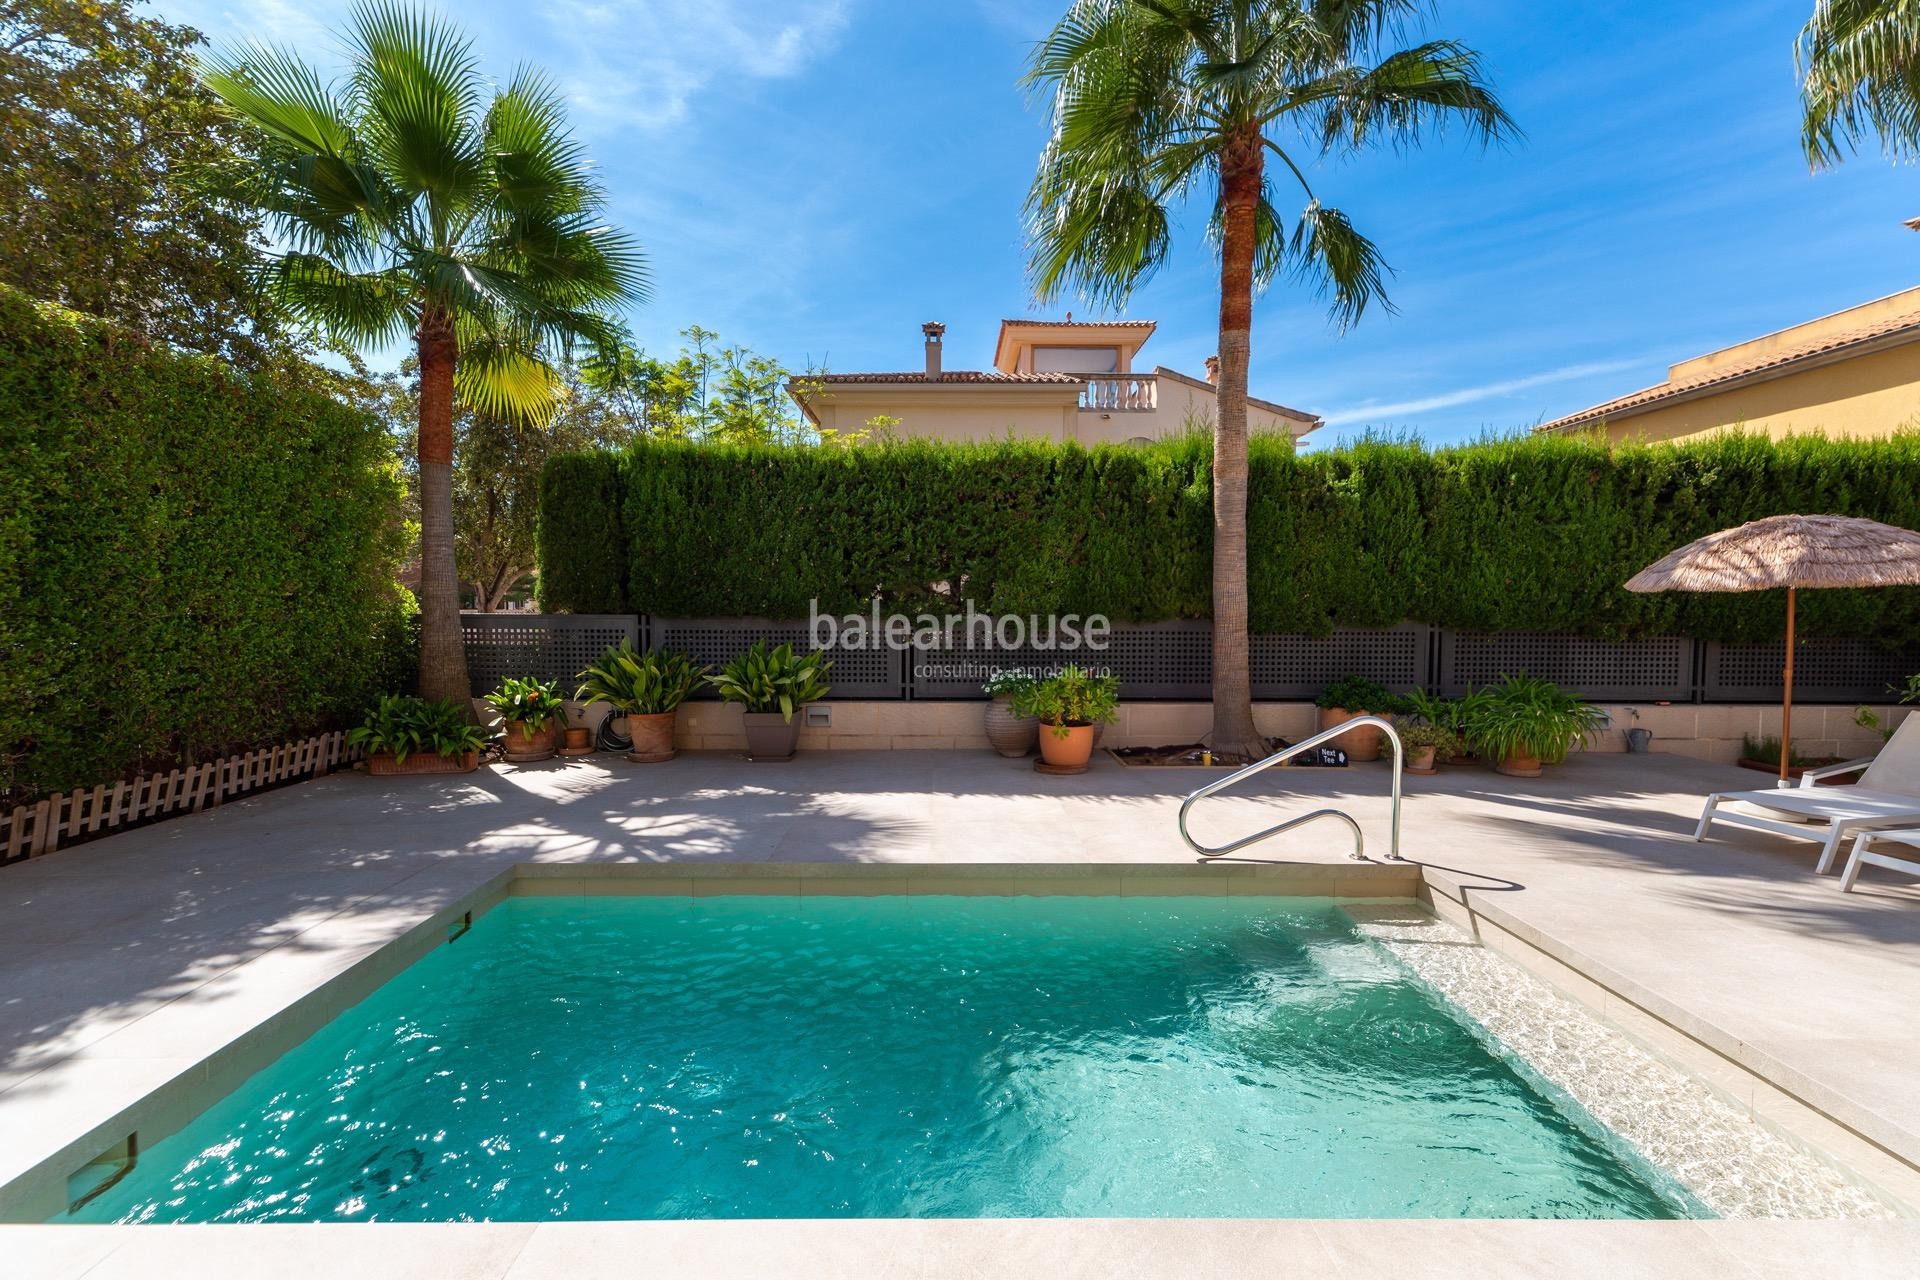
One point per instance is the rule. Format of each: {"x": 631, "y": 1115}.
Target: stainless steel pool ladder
{"x": 1287, "y": 753}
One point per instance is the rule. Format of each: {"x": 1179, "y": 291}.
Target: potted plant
{"x": 531, "y": 715}
{"x": 1422, "y": 742}
{"x": 404, "y": 734}
{"x": 1068, "y": 706}
{"x": 1347, "y": 698}
{"x": 1450, "y": 715}
{"x": 769, "y": 684}
{"x": 647, "y": 689}
{"x": 1010, "y": 732}
{"x": 1524, "y": 722}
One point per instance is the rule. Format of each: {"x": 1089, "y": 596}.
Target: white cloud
{"x": 640, "y": 63}
{"x": 623, "y": 64}
{"x": 1374, "y": 411}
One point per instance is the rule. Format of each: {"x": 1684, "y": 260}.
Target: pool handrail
{"x": 1287, "y": 753}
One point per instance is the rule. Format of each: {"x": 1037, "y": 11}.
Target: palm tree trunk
{"x": 1240, "y": 179}
{"x": 443, "y": 658}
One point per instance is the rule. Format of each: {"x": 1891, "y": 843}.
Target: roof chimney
{"x": 1213, "y": 370}
{"x": 934, "y": 331}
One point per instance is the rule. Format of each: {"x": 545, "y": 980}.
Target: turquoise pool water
{"x": 891, "y": 1057}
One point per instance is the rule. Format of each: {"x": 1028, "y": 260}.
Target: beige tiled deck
{"x": 126, "y": 963}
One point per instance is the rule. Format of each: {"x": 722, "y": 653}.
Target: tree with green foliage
{"x": 1155, "y": 101}
{"x": 1860, "y": 74}
{"x": 496, "y": 472}
{"x": 110, "y": 154}
{"x": 707, "y": 392}
{"x": 417, "y": 198}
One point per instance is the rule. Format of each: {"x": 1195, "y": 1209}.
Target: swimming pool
{"x": 743, "y": 1057}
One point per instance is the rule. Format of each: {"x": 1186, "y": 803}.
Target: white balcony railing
{"x": 1123, "y": 393}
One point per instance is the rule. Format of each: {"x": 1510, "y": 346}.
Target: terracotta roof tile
{"x": 951, "y": 375}
{"x": 1775, "y": 362}
{"x": 1085, "y": 324}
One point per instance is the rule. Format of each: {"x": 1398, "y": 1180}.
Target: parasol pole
{"x": 1786, "y": 704}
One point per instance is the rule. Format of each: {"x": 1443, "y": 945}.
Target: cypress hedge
{"x": 1530, "y": 534}
{"x": 193, "y": 560}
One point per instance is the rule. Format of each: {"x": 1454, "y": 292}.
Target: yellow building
{"x": 1052, "y": 380}
{"x": 1853, "y": 373}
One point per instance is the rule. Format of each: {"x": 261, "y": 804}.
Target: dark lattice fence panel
{"x": 1299, "y": 667}
{"x": 551, "y": 646}
{"x": 1824, "y": 670}
{"x": 1658, "y": 669}
{"x": 1167, "y": 660}
{"x": 1174, "y": 660}
{"x": 856, "y": 673}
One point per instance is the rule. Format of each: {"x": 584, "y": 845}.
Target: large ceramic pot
{"x": 1361, "y": 745}
{"x": 1516, "y": 765}
{"x": 525, "y": 744}
{"x": 1010, "y": 734}
{"x": 381, "y": 764}
{"x": 652, "y": 737}
{"x": 1069, "y": 751}
{"x": 770, "y": 736}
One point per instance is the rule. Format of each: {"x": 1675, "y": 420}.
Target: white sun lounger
{"x": 1888, "y": 795}
{"x": 1870, "y": 848}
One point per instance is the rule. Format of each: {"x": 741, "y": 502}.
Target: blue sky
{"x": 815, "y": 178}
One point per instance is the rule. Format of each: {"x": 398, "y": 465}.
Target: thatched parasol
{"x": 1790, "y": 552}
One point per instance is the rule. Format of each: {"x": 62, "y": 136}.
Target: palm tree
{"x": 1156, "y": 100}
{"x": 1860, "y": 72}
{"x": 416, "y": 199}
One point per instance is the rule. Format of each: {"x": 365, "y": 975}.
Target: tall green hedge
{"x": 192, "y": 560}
{"x": 1508, "y": 535}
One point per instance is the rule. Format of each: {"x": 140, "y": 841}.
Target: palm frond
{"x": 502, "y": 375}
{"x": 1328, "y": 255}
{"x": 1859, "y": 63}
{"x": 1406, "y": 95}
{"x": 366, "y": 308}
{"x": 416, "y": 90}
{"x": 278, "y": 93}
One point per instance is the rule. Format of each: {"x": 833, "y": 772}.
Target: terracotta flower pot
{"x": 381, "y": 764}
{"x": 1361, "y": 745}
{"x": 1071, "y": 751}
{"x": 579, "y": 742}
{"x": 770, "y": 736}
{"x": 1010, "y": 734}
{"x": 525, "y": 744}
{"x": 652, "y": 738}
{"x": 1421, "y": 761}
{"x": 1516, "y": 765}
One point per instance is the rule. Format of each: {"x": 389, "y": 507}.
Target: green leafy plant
{"x": 532, "y": 704}
{"x": 1767, "y": 751}
{"x": 764, "y": 680}
{"x": 1867, "y": 718}
{"x": 1420, "y": 735}
{"x": 264, "y": 500}
{"x": 403, "y": 725}
{"x": 1357, "y": 693}
{"x": 1398, "y": 532}
{"x": 1527, "y": 716}
{"x": 640, "y": 684}
{"x": 1069, "y": 699}
{"x": 1007, "y": 683}
{"x": 1450, "y": 715}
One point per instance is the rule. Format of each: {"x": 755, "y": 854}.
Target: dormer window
{"x": 1076, "y": 359}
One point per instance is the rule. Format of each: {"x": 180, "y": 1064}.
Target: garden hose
{"x": 610, "y": 738}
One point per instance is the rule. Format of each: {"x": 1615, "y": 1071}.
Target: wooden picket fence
{"x": 34, "y": 829}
